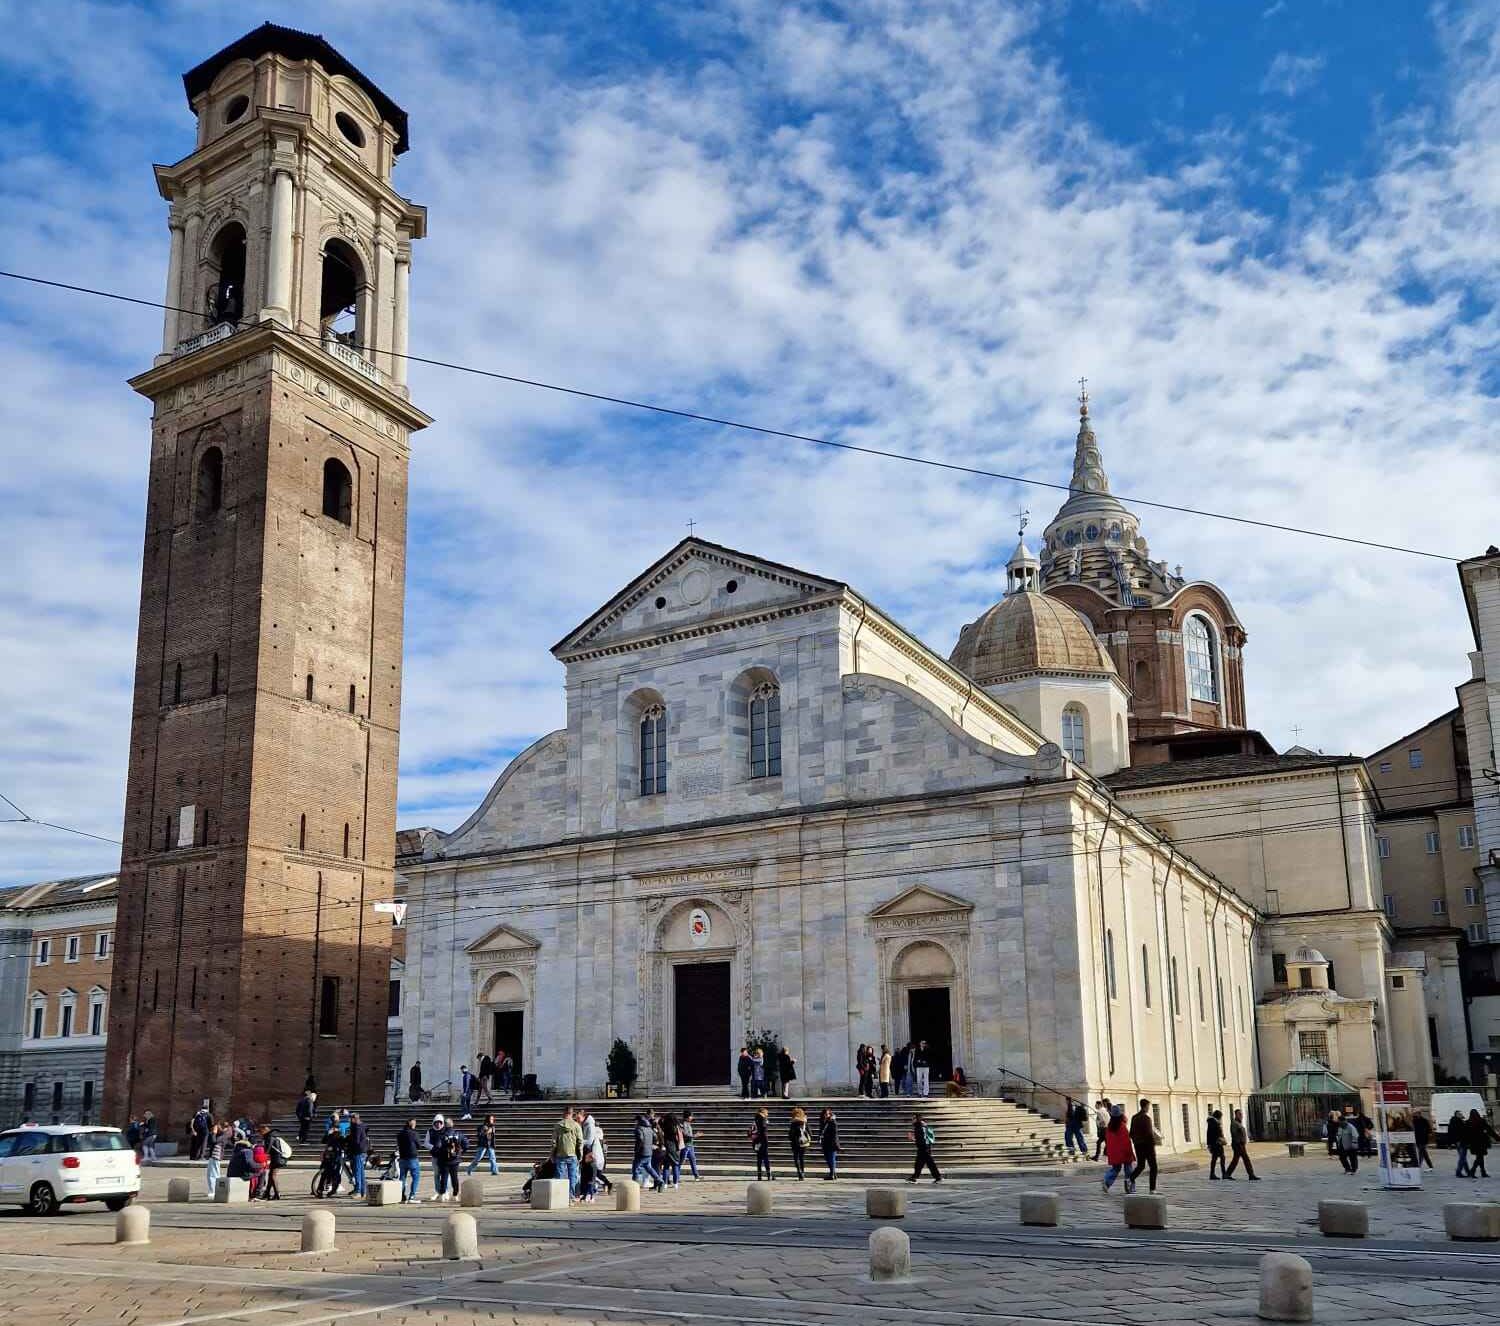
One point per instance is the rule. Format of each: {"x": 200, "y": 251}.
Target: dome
{"x": 1027, "y": 633}
{"x": 1307, "y": 957}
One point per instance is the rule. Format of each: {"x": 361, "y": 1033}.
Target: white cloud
{"x": 896, "y": 232}
{"x": 1290, "y": 75}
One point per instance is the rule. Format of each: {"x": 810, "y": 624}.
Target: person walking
{"x": 465, "y": 1090}
{"x": 923, "y": 1138}
{"x": 760, "y": 1139}
{"x": 213, "y": 1150}
{"x": 433, "y": 1142}
{"x": 484, "y": 1145}
{"x": 278, "y": 1152}
{"x": 1075, "y": 1114}
{"x": 796, "y": 1135}
{"x": 306, "y": 1112}
{"x": 486, "y": 1077}
{"x": 357, "y": 1148}
{"x": 746, "y": 1069}
{"x": 1101, "y": 1122}
{"x": 1118, "y": 1154}
{"x": 786, "y": 1070}
{"x": 1421, "y": 1127}
{"x": 1331, "y": 1127}
{"x": 922, "y": 1067}
{"x": 1213, "y": 1134}
{"x": 1458, "y": 1135}
{"x": 884, "y": 1072}
{"x": 828, "y": 1140}
{"x": 451, "y": 1156}
{"x": 1348, "y": 1144}
{"x": 149, "y": 1131}
{"x": 1479, "y": 1135}
{"x": 1143, "y": 1138}
{"x": 409, "y": 1161}
{"x": 1238, "y": 1138}
{"x": 567, "y": 1145}
{"x": 671, "y": 1144}
{"x": 689, "y": 1144}
{"x": 645, "y": 1142}
{"x": 414, "y": 1083}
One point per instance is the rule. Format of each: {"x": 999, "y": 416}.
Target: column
{"x": 398, "y": 322}
{"x": 278, "y": 305}
{"x": 173, "y": 301}
{"x": 189, "y": 296}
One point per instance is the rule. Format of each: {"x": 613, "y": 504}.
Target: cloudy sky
{"x": 1265, "y": 232}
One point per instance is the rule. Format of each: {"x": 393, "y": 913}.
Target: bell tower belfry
{"x": 261, "y": 798}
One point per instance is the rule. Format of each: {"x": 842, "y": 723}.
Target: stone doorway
{"x": 701, "y": 1023}
{"x": 930, "y": 1019}
{"x": 510, "y": 1036}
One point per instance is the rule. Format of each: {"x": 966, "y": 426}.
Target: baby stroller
{"x": 543, "y": 1169}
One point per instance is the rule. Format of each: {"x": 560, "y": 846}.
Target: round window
{"x": 349, "y": 127}
{"x": 661, "y": 603}
{"x": 236, "y": 108}
{"x": 1092, "y": 533}
{"x": 732, "y": 586}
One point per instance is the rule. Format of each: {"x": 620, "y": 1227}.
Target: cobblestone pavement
{"x": 692, "y": 1256}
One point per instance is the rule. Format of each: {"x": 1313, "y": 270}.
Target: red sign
{"x": 1392, "y": 1093}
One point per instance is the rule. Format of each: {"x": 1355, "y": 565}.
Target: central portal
{"x": 700, "y": 1021}
{"x": 932, "y": 1021}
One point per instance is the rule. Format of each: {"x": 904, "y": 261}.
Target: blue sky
{"x": 1263, "y": 231}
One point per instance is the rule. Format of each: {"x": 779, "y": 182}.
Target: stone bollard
{"x": 890, "y": 1254}
{"x": 232, "y": 1192}
{"x": 133, "y": 1225}
{"x": 461, "y": 1236}
{"x": 317, "y": 1231}
{"x": 179, "y": 1190}
{"x": 885, "y": 1203}
{"x": 1285, "y": 1288}
{"x": 471, "y": 1192}
{"x": 1472, "y": 1222}
{"x": 1039, "y": 1208}
{"x": 383, "y": 1192}
{"x": 627, "y": 1195}
{"x": 1145, "y": 1211}
{"x": 549, "y": 1195}
{"x": 1296, "y": 1150}
{"x": 758, "y": 1199}
{"x": 1344, "y": 1220}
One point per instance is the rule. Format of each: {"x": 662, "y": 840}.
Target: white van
{"x": 1443, "y": 1105}
{"x": 43, "y": 1167}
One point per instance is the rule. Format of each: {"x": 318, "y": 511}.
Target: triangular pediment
{"x": 504, "y": 939}
{"x": 919, "y": 900}
{"x": 696, "y": 583}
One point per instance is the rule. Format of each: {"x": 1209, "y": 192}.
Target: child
{"x": 590, "y": 1177}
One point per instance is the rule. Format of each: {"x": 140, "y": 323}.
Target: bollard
{"x": 461, "y": 1237}
{"x": 179, "y": 1190}
{"x": 471, "y": 1192}
{"x": 890, "y": 1254}
{"x": 1039, "y": 1208}
{"x": 383, "y": 1192}
{"x": 232, "y": 1192}
{"x": 133, "y": 1225}
{"x": 758, "y": 1199}
{"x": 1285, "y": 1288}
{"x": 885, "y": 1203}
{"x": 1145, "y": 1212}
{"x": 1472, "y": 1222}
{"x": 627, "y": 1195}
{"x": 317, "y": 1231}
{"x": 549, "y": 1194}
{"x": 1296, "y": 1150}
{"x": 1343, "y": 1220}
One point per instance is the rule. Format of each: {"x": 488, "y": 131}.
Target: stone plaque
{"x": 696, "y": 776}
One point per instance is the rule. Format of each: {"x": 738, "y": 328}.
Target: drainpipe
{"x": 854, "y": 644}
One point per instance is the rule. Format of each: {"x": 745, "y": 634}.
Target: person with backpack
{"x": 645, "y": 1142}
{"x": 1101, "y": 1122}
{"x": 409, "y": 1161}
{"x": 1074, "y": 1117}
{"x": 198, "y": 1132}
{"x": 760, "y": 1139}
{"x": 278, "y": 1155}
{"x": 797, "y": 1135}
{"x": 449, "y": 1156}
{"x": 357, "y": 1148}
{"x": 923, "y": 1137}
{"x": 828, "y": 1140}
{"x": 1118, "y": 1153}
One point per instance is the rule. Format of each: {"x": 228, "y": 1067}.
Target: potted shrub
{"x": 620, "y": 1067}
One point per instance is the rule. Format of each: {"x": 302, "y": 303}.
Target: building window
{"x": 70, "y": 952}
{"x": 1146, "y": 975}
{"x": 393, "y": 1003}
{"x": 1314, "y": 1045}
{"x": 353, "y": 697}
{"x": 1187, "y": 1124}
{"x": 1398, "y": 981}
{"x": 1074, "y": 740}
{"x": 1202, "y": 658}
{"x": 1466, "y": 836}
{"x": 338, "y": 492}
{"x": 1390, "y": 905}
{"x": 1476, "y": 932}
{"x": 1385, "y": 766}
{"x": 1278, "y": 968}
{"x": 1432, "y": 843}
{"x": 1439, "y": 906}
{"x": 346, "y": 839}
{"x": 87, "y": 1106}
{"x": 57, "y": 1093}
{"x": 101, "y": 945}
{"x": 1109, "y": 964}
{"x": 1414, "y": 757}
{"x": 96, "y": 1013}
{"x": 65, "y": 1017}
{"x": 1304, "y": 978}
{"x": 1471, "y": 897}
{"x": 38, "y": 1018}
{"x": 28, "y": 1100}
{"x": 328, "y": 1007}
{"x": 1383, "y": 847}
{"x": 765, "y": 731}
{"x": 653, "y": 751}
{"x": 302, "y": 834}
{"x": 43, "y": 952}
{"x": 1332, "y": 984}
{"x": 309, "y": 689}
{"x": 210, "y": 482}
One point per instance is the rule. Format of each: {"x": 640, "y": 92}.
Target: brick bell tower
{"x": 260, "y": 807}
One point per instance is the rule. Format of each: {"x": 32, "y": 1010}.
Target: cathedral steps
{"x": 974, "y": 1135}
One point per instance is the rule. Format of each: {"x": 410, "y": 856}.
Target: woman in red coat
{"x": 1118, "y": 1152}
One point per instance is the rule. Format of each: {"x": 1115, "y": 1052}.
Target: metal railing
{"x": 1026, "y": 1090}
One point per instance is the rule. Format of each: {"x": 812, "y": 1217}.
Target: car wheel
{"x": 43, "y": 1200}
{"x": 119, "y": 1203}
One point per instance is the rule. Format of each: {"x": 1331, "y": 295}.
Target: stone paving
{"x": 693, "y": 1256}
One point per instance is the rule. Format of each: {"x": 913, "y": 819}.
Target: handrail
{"x": 1063, "y": 1096}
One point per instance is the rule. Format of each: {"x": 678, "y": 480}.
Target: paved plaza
{"x": 692, "y": 1255}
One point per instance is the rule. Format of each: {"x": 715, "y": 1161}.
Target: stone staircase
{"x": 975, "y": 1135}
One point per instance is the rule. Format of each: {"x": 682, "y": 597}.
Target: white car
{"x": 41, "y": 1167}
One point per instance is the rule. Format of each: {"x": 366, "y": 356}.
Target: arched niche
{"x": 502, "y": 967}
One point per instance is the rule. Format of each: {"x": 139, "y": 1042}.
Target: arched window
{"x": 653, "y": 750}
{"x": 302, "y": 834}
{"x": 38, "y": 1016}
{"x": 226, "y": 292}
{"x": 353, "y": 696}
{"x": 1109, "y": 965}
{"x": 1202, "y": 646}
{"x": 346, "y": 838}
{"x": 309, "y": 686}
{"x": 765, "y": 731}
{"x": 341, "y": 303}
{"x": 338, "y": 492}
{"x": 1146, "y": 975}
{"x": 1074, "y": 743}
{"x": 210, "y": 483}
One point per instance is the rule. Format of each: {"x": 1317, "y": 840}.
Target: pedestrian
{"x": 484, "y": 1144}
{"x": 213, "y": 1150}
{"x": 306, "y": 1112}
{"x": 671, "y": 1145}
{"x": 465, "y": 1090}
{"x": 505, "y": 1069}
{"x": 432, "y": 1140}
{"x": 1479, "y": 1135}
{"x": 414, "y": 1088}
{"x": 922, "y": 1066}
{"x": 900, "y": 1068}
{"x": 1348, "y": 1145}
{"x": 279, "y": 1152}
{"x": 1118, "y": 1153}
{"x": 357, "y": 1149}
{"x": 1238, "y": 1138}
{"x": 1144, "y": 1139}
{"x": 1101, "y": 1122}
{"x": 690, "y": 1144}
{"x": 1331, "y": 1127}
{"x": 884, "y": 1072}
{"x": 241, "y": 1159}
{"x": 828, "y": 1140}
{"x": 331, "y": 1163}
{"x": 1421, "y": 1127}
{"x": 450, "y": 1156}
{"x": 1366, "y": 1127}
{"x": 746, "y": 1069}
{"x": 591, "y": 1176}
{"x": 1074, "y": 1117}
{"x": 409, "y": 1161}
{"x": 567, "y": 1143}
{"x": 1213, "y": 1134}
{"x": 758, "y": 1072}
{"x": 148, "y": 1138}
{"x": 133, "y": 1136}
{"x": 786, "y": 1070}
{"x": 645, "y": 1143}
{"x": 796, "y": 1134}
{"x": 760, "y": 1139}
{"x": 198, "y": 1132}
{"x": 923, "y": 1137}
{"x": 486, "y": 1077}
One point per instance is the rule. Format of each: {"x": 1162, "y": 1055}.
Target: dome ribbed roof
{"x": 1026, "y": 633}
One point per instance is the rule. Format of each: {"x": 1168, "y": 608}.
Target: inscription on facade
{"x": 697, "y": 776}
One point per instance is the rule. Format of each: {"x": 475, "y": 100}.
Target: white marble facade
{"x": 918, "y": 836}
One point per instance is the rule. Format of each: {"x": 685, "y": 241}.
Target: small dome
{"x": 1305, "y": 956}
{"x": 1026, "y": 633}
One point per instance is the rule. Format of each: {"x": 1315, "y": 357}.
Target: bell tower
{"x": 260, "y": 804}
